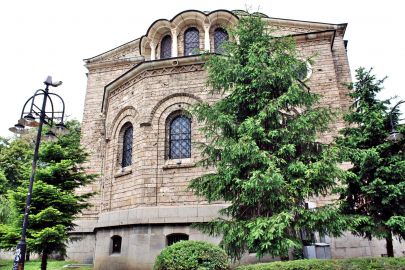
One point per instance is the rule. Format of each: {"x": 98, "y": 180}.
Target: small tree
{"x": 192, "y": 255}
{"x": 262, "y": 140}
{"x": 54, "y": 203}
{"x": 374, "y": 190}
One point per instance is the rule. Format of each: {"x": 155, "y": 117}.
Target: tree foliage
{"x": 54, "y": 203}
{"x": 263, "y": 141}
{"x": 374, "y": 190}
{"x": 15, "y": 161}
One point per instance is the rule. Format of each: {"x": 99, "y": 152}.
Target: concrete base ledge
{"x": 151, "y": 215}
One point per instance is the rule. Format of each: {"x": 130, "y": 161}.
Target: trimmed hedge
{"x": 344, "y": 264}
{"x": 192, "y": 255}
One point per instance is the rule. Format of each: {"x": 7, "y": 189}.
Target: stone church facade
{"x": 141, "y": 138}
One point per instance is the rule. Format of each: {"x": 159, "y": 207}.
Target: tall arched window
{"x": 127, "y": 146}
{"x": 191, "y": 41}
{"x": 180, "y": 137}
{"x": 166, "y": 47}
{"x": 220, "y": 36}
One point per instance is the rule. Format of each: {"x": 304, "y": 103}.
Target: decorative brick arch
{"x": 168, "y": 101}
{"x": 126, "y": 114}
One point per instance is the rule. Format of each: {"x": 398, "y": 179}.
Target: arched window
{"x": 127, "y": 146}
{"x": 180, "y": 137}
{"x": 176, "y": 237}
{"x": 166, "y": 47}
{"x": 191, "y": 41}
{"x": 116, "y": 244}
{"x": 220, "y": 36}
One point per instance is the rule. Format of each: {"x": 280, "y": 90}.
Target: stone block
{"x": 165, "y": 212}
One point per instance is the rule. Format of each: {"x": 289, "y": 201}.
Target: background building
{"x": 141, "y": 138}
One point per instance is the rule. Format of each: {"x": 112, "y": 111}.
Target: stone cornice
{"x": 112, "y": 65}
{"x": 151, "y": 215}
{"x": 304, "y": 25}
{"x": 115, "y": 53}
{"x": 328, "y": 35}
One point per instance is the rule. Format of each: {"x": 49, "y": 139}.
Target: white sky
{"x": 50, "y": 37}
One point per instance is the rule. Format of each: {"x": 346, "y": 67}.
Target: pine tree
{"x": 374, "y": 190}
{"x": 54, "y": 203}
{"x": 262, "y": 138}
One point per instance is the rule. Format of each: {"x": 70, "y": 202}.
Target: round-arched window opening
{"x": 220, "y": 36}
{"x": 166, "y": 47}
{"x": 127, "y": 138}
{"x": 191, "y": 41}
{"x": 304, "y": 71}
{"x": 180, "y": 137}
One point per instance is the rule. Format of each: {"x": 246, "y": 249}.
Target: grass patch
{"x": 343, "y": 264}
{"x": 36, "y": 265}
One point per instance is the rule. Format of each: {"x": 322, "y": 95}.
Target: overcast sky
{"x": 49, "y": 37}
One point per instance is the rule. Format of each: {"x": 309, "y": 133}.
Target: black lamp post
{"x": 395, "y": 136}
{"x": 46, "y": 115}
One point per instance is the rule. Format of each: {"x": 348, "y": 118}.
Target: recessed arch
{"x": 194, "y": 98}
{"x": 128, "y": 113}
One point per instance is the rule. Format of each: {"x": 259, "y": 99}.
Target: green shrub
{"x": 192, "y": 255}
{"x": 345, "y": 264}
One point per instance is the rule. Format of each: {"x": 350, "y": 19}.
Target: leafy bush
{"x": 192, "y": 255}
{"x": 346, "y": 264}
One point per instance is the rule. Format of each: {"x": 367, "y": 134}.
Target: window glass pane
{"x": 220, "y": 35}
{"x": 127, "y": 147}
{"x": 191, "y": 41}
{"x": 180, "y": 138}
{"x": 166, "y": 47}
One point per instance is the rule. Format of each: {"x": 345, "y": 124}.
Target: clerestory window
{"x": 191, "y": 41}
{"x": 166, "y": 47}
{"x": 220, "y": 36}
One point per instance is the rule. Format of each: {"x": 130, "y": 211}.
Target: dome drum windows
{"x": 166, "y": 47}
{"x": 220, "y": 36}
{"x": 191, "y": 41}
{"x": 190, "y": 32}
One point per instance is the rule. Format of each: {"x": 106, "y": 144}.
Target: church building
{"x": 141, "y": 138}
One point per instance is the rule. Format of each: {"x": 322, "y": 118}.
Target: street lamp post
{"x": 30, "y": 112}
